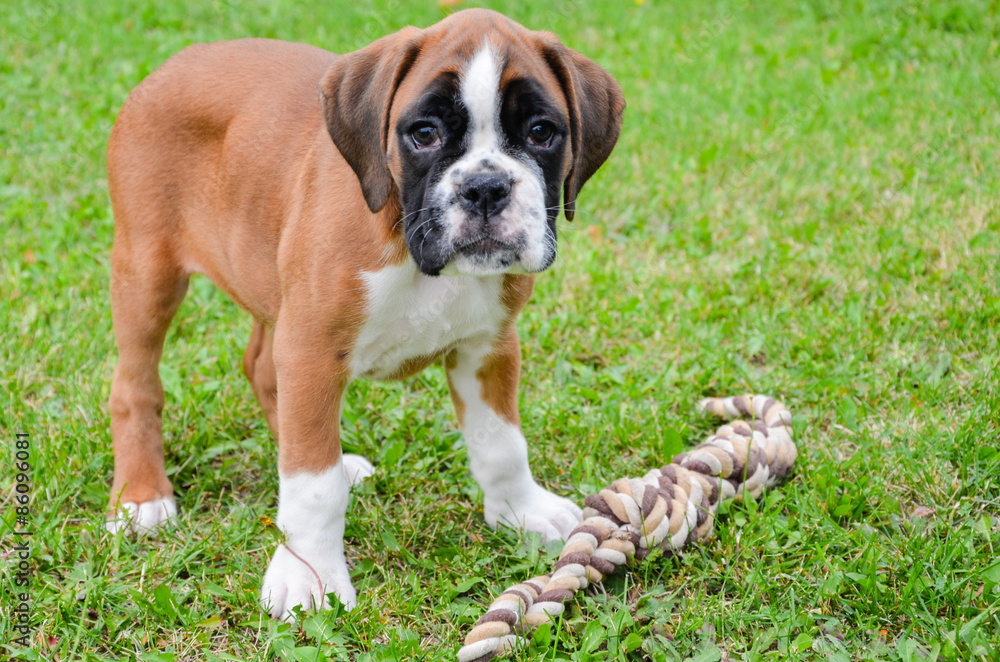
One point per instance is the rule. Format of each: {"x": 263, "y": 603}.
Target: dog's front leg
{"x": 315, "y": 478}
{"x": 483, "y": 381}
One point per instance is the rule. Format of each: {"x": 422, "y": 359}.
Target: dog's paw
{"x": 538, "y": 510}
{"x": 357, "y": 468}
{"x": 142, "y": 517}
{"x": 293, "y": 580}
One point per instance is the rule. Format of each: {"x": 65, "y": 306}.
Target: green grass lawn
{"x": 804, "y": 202}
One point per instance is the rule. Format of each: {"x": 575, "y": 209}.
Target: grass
{"x": 804, "y": 202}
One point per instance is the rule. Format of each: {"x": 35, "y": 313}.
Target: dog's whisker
{"x": 403, "y": 218}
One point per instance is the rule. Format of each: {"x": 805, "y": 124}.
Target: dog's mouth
{"x": 477, "y": 250}
{"x": 485, "y": 245}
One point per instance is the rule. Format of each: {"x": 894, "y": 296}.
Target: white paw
{"x": 357, "y": 468}
{"x": 536, "y": 509}
{"x": 292, "y": 580}
{"x": 142, "y": 517}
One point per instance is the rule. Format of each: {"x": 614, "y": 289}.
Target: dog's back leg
{"x": 258, "y": 365}
{"x": 147, "y": 287}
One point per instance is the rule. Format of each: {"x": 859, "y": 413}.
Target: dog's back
{"x": 175, "y": 152}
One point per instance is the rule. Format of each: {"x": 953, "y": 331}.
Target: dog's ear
{"x": 596, "y": 105}
{"x": 357, "y": 92}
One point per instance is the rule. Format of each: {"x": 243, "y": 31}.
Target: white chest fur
{"x": 411, "y": 315}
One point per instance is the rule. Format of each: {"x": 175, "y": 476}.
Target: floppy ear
{"x": 596, "y": 105}
{"x": 357, "y": 92}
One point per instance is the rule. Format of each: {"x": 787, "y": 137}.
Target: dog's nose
{"x": 485, "y": 194}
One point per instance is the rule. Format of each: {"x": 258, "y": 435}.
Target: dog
{"x": 374, "y": 212}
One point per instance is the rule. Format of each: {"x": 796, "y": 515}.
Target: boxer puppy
{"x": 374, "y": 212}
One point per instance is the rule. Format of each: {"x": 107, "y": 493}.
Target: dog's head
{"x": 478, "y": 125}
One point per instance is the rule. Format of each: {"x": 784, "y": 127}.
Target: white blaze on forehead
{"x": 480, "y": 89}
{"x": 523, "y": 220}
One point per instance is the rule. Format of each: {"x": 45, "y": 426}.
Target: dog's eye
{"x": 425, "y": 136}
{"x": 540, "y": 135}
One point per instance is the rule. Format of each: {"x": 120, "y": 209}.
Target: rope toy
{"x": 669, "y": 508}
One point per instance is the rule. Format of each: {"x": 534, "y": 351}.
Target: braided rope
{"x": 667, "y": 508}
